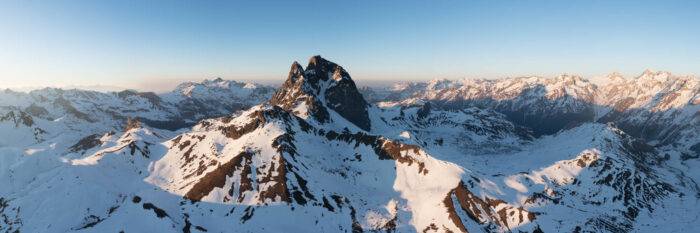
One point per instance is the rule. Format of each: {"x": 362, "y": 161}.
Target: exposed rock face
{"x": 35, "y": 110}
{"x": 488, "y": 211}
{"x": 183, "y": 107}
{"x": 23, "y": 128}
{"x": 132, "y": 124}
{"x": 280, "y": 168}
{"x": 240, "y": 167}
{"x": 310, "y": 161}
{"x": 656, "y": 106}
{"x": 18, "y": 118}
{"x": 323, "y": 85}
{"x": 86, "y": 143}
{"x": 544, "y": 105}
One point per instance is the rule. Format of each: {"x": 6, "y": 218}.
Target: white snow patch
{"x": 32, "y": 151}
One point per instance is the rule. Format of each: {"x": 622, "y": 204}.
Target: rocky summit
{"x": 319, "y": 154}
{"x": 323, "y": 85}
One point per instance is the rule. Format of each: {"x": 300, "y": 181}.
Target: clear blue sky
{"x": 152, "y": 45}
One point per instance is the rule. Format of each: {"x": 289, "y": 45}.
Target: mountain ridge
{"x": 323, "y": 83}
{"x": 303, "y": 160}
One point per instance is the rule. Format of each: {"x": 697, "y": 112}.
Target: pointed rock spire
{"x": 132, "y": 124}
{"x": 296, "y": 71}
{"x": 323, "y": 85}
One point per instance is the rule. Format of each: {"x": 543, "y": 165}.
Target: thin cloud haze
{"x": 126, "y": 42}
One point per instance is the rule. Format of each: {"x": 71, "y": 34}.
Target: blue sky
{"x": 153, "y": 45}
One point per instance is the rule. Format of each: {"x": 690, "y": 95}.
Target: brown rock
{"x": 132, "y": 124}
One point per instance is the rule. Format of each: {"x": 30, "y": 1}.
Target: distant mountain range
{"x": 319, "y": 154}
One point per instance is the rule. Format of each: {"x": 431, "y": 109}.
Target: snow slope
{"x": 317, "y": 157}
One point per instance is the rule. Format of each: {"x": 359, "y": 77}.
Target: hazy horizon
{"x": 166, "y": 85}
{"x": 349, "y": 116}
{"x": 157, "y": 44}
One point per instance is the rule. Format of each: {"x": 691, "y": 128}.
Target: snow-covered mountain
{"x": 50, "y": 112}
{"x": 658, "y": 107}
{"x": 315, "y": 156}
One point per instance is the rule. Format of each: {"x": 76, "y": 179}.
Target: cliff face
{"x": 515, "y": 155}
{"x": 322, "y": 86}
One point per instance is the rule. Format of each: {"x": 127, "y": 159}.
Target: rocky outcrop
{"x": 657, "y": 107}
{"x": 311, "y": 160}
{"x": 323, "y": 85}
{"x": 273, "y": 180}
{"x": 132, "y": 124}
{"x": 18, "y": 118}
{"x": 495, "y": 214}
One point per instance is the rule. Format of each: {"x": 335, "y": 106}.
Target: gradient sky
{"x": 153, "y": 45}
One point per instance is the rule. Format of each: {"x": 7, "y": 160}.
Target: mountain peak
{"x": 296, "y": 70}
{"x": 322, "y": 85}
{"x": 132, "y": 124}
{"x": 651, "y": 73}
{"x": 296, "y": 64}
{"x": 321, "y": 69}
{"x": 648, "y": 73}
{"x": 659, "y": 76}
{"x": 614, "y": 74}
{"x": 316, "y": 59}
